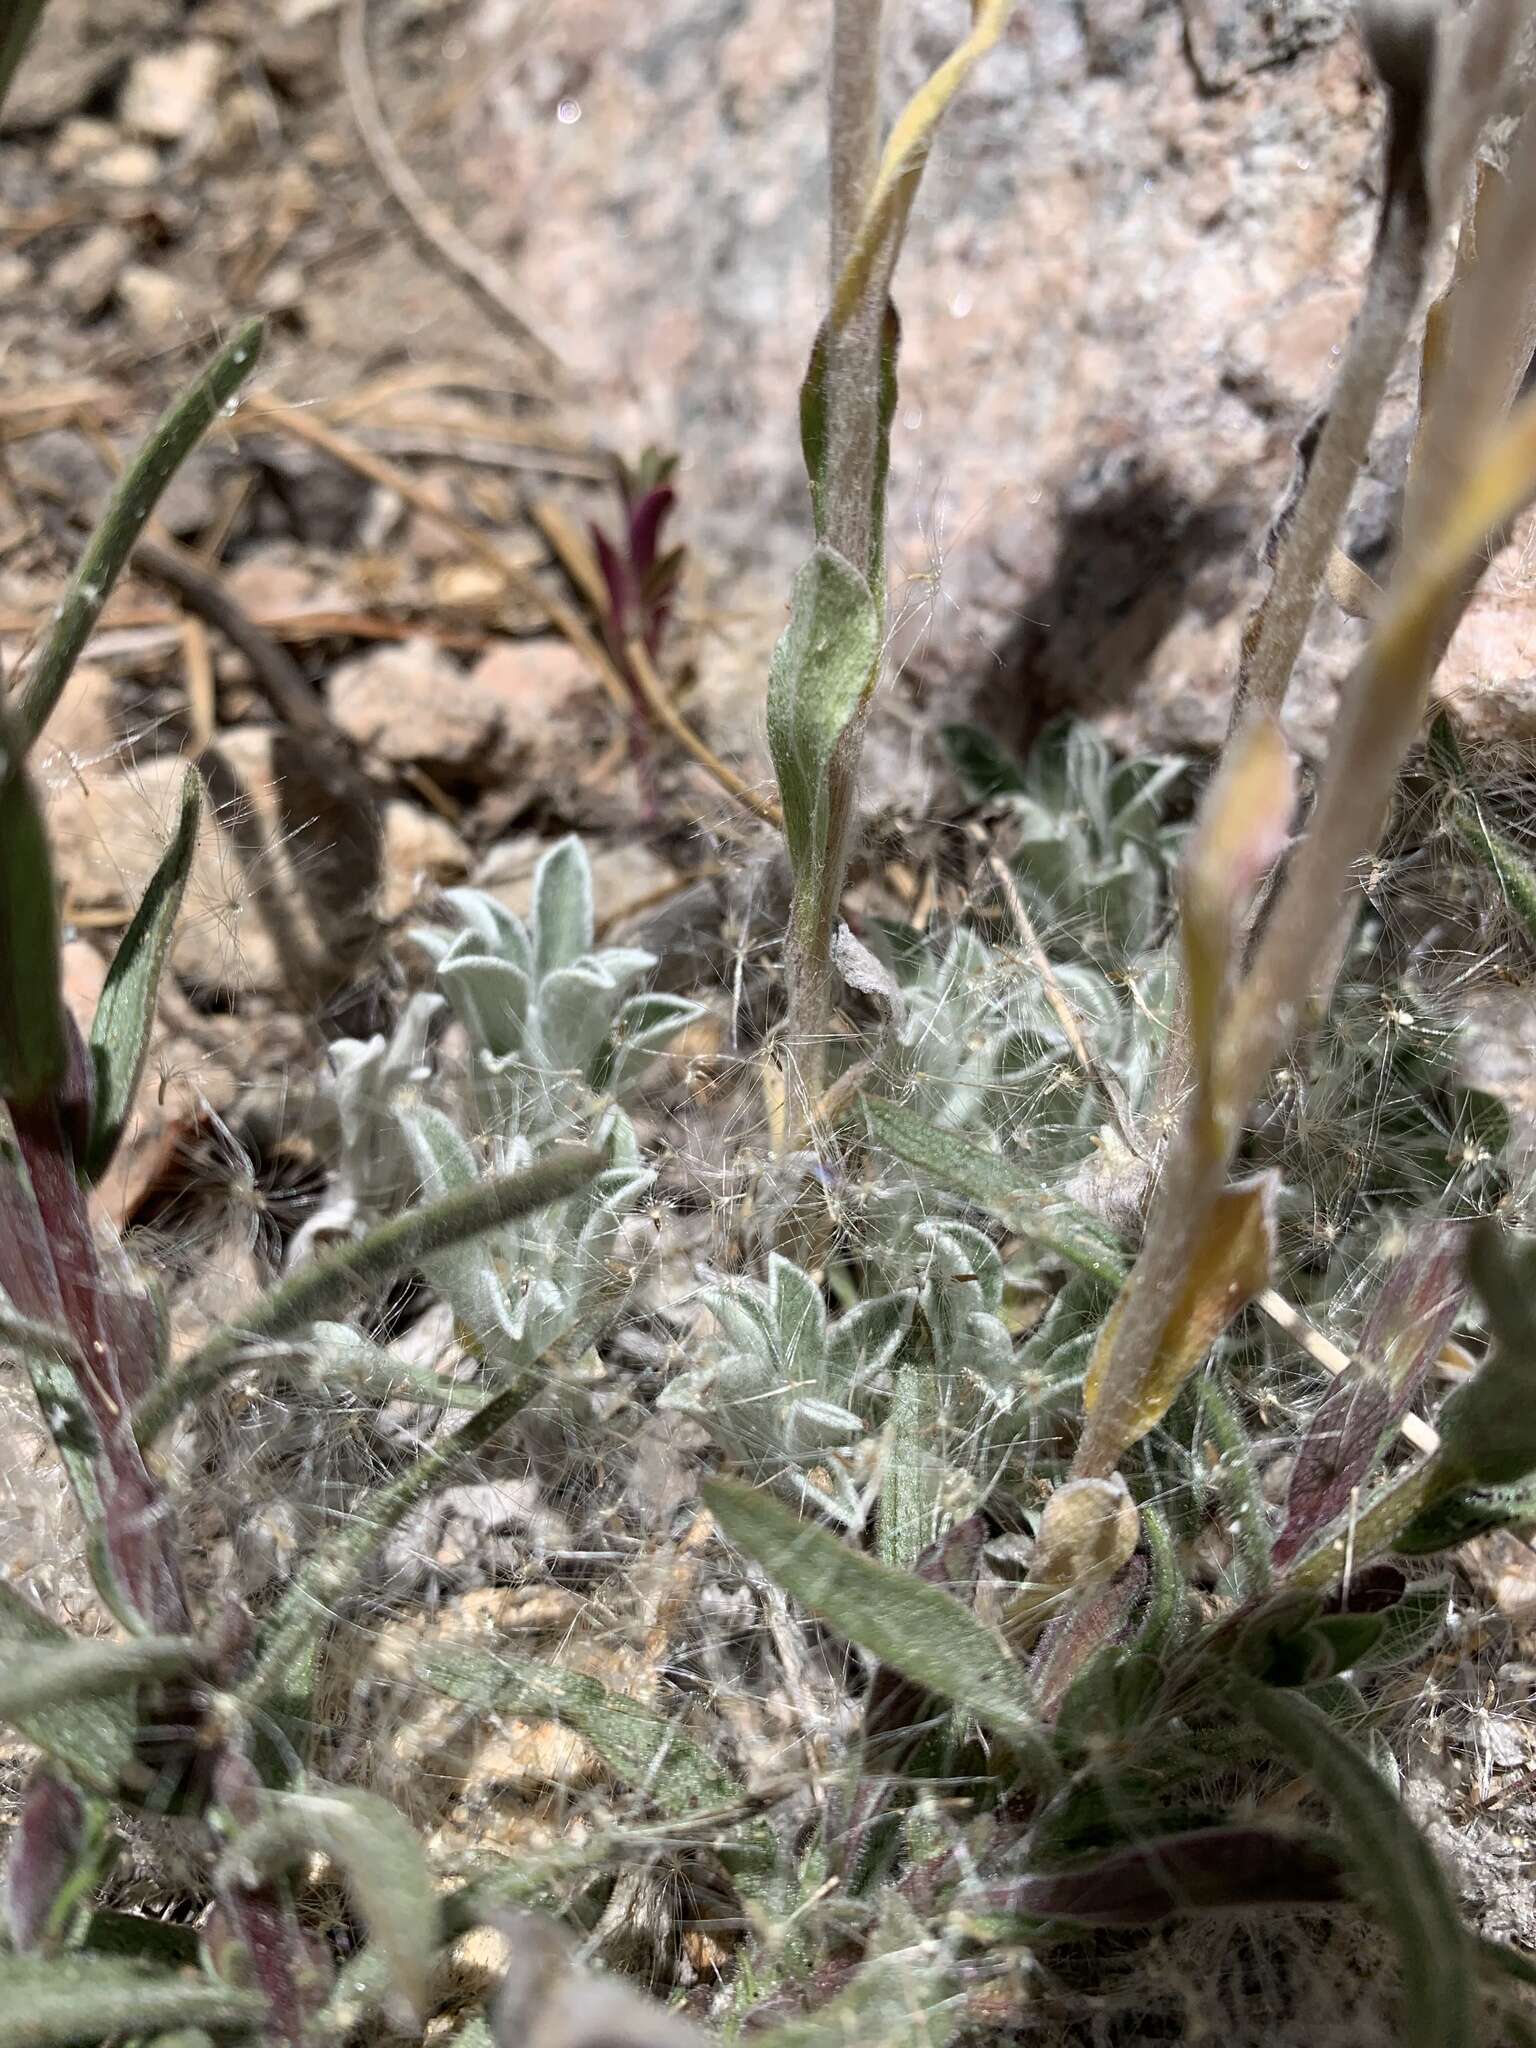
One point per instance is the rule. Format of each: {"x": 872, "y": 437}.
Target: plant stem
{"x": 854, "y": 120}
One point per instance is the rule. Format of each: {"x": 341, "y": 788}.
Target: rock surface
{"x": 411, "y": 705}
{"x": 1125, "y": 279}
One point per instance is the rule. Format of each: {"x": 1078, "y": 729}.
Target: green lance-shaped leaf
{"x": 290, "y": 1643}
{"x": 1410, "y": 1320}
{"x": 1477, "y": 836}
{"x": 21, "y": 18}
{"x": 91, "y": 1737}
{"x": 562, "y": 907}
{"x": 55, "y": 2001}
{"x": 125, "y": 1014}
{"x": 814, "y": 437}
{"x": 1460, "y": 1516}
{"x": 908, "y": 1490}
{"x": 316, "y": 1293}
{"x": 1488, "y": 1425}
{"x": 40, "y": 1677}
{"x": 914, "y": 1627}
{"x": 34, "y": 1052}
{"x": 958, "y": 1166}
{"x": 375, "y": 1851}
{"x": 643, "y": 1748}
{"x": 1395, "y": 1862}
{"x": 820, "y": 674}
{"x": 138, "y": 492}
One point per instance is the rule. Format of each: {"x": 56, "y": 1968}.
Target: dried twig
{"x": 281, "y": 680}
{"x": 667, "y": 715}
{"x": 479, "y": 270}
{"x": 202, "y": 697}
{"x": 1324, "y": 1352}
{"x": 304, "y": 426}
{"x": 485, "y": 451}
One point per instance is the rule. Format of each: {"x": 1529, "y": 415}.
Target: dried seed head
{"x": 1088, "y": 1531}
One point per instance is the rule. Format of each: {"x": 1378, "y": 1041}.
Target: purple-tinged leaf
{"x": 901, "y": 1716}
{"x": 44, "y": 1854}
{"x": 1069, "y": 1640}
{"x": 269, "y": 1953}
{"x": 1209, "y": 1870}
{"x": 616, "y": 578}
{"x": 116, "y": 1337}
{"x": 645, "y": 523}
{"x": 1413, "y": 1316}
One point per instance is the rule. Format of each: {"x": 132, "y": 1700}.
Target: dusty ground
{"x": 1135, "y": 255}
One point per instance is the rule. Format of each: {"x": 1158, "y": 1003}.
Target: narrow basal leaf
{"x": 1488, "y": 1424}
{"x": 20, "y": 19}
{"x": 376, "y": 1853}
{"x": 1207, "y": 1870}
{"x": 1395, "y": 1863}
{"x": 56, "y": 2001}
{"x": 958, "y": 1165}
{"x": 821, "y": 670}
{"x": 1230, "y": 1266}
{"x": 906, "y": 151}
{"x": 639, "y": 1746}
{"x": 1409, "y": 1323}
{"x": 133, "y": 500}
{"x": 315, "y": 1293}
{"x": 35, "y": 1679}
{"x": 34, "y": 1053}
{"x": 914, "y": 1627}
{"x": 125, "y": 1014}
{"x": 91, "y": 1737}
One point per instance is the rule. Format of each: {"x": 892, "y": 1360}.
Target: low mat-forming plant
{"x": 1001, "y": 1405}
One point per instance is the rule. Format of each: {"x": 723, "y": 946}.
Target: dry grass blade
{"x": 303, "y": 425}
{"x": 878, "y": 237}
{"x": 671, "y": 720}
{"x": 480, "y": 271}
